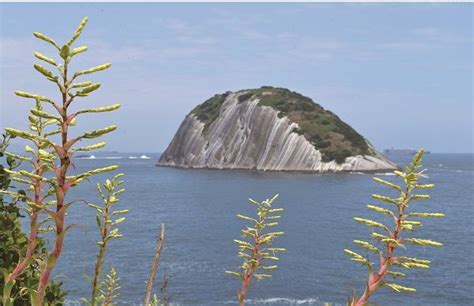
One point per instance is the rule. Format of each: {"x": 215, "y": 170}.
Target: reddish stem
{"x": 248, "y": 275}
{"x": 34, "y": 227}
{"x": 61, "y": 191}
{"x": 375, "y": 280}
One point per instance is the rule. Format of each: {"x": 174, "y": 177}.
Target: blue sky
{"x": 400, "y": 74}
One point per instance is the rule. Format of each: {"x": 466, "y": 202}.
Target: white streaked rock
{"x": 247, "y": 136}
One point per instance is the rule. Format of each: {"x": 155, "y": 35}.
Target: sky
{"x": 400, "y": 74}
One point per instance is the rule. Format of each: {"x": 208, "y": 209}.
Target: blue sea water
{"x": 199, "y": 208}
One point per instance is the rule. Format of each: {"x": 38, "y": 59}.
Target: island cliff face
{"x": 269, "y": 129}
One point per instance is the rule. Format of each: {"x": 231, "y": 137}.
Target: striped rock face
{"x": 246, "y": 135}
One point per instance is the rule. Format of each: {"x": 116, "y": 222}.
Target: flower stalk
{"x": 394, "y": 237}
{"x": 53, "y": 158}
{"x": 256, "y": 248}
{"x": 107, "y": 220}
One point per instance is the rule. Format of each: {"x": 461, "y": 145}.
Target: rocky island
{"x": 269, "y": 129}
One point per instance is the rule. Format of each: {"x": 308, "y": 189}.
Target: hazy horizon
{"x": 385, "y": 69}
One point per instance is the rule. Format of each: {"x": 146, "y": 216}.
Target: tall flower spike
{"x": 107, "y": 220}
{"x": 394, "y": 237}
{"x": 55, "y": 148}
{"x": 256, "y": 250}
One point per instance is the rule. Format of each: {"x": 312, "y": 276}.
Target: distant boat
{"x": 92, "y": 157}
{"x": 132, "y": 157}
{"x": 402, "y": 151}
{"x": 144, "y": 157}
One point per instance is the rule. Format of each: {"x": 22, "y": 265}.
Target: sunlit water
{"x": 199, "y": 208}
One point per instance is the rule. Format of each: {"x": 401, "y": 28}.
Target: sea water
{"x": 199, "y": 209}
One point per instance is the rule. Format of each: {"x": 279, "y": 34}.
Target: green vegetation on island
{"x": 334, "y": 138}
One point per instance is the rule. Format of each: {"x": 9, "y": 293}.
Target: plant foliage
{"x": 13, "y": 242}
{"x": 388, "y": 239}
{"x": 107, "y": 220}
{"x": 48, "y": 180}
{"x": 255, "y": 248}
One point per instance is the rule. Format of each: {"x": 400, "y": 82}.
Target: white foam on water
{"x": 280, "y": 301}
{"x": 86, "y": 157}
{"x": 385, "y": 174}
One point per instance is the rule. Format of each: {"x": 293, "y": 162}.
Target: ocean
{"x": 199, "y": 209}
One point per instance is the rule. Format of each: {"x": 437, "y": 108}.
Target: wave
{"x": 111, "y": 157}
{"x": 86, "y": 157}
{"x": 385, "y": 174}
{"x": 355, "y": 172}
{"x": 281, "y": 301}
{"x": 100, "y": 157}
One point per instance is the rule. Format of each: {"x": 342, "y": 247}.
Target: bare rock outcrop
{"x": 269, "y": 129}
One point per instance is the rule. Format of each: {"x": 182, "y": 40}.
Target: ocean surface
{"x": 199, "y": 208}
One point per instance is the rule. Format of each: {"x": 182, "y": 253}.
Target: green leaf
{"x": 353, "y": 254}
{"x": 421, "y": 261}
{"x": 82, "y": 84}
{"x": 46, "y": 39}
{"x": 23, "y": 134}
{"x": 380, "y": 210}
{"x": 44, "y": 115}
{"x": 16, "y": 156}
{"x": 94, "y": 172}
{"x": 45, "y": 58}
{"x": 370, "y": 222}
{"x": 120, "y": 212}
{"x": 90, "y": 147}
{"x": 232, "y": 273}
{"x": 385, "y": 199}
{"x": 423, "y": 242}
{"x": 426, "y": 215}
{"x": 386, "y": 183}
{"x": 31, "y": 96}
{"x": 65, "y": 52}
{"x": 98, "y": 133}
{"x": 8, "y": 288}
{"x": 247, "y": 218}
{"x": 54, "y": 132}
{"x": 100, "y": 109}
{"x": 78, "y": 50}
{"x": 399, "y": 288}
{"x": 420, "y": 197}
{"x": 395, "y": 274}
{"x": 424, "y": 186}
{"x": 93, "y": 69}
{"x": 45, "y": 72}
{"x": 411, "y": 265}
{"x": 87, "y": 90}
{"x": 367, "y": 246}
{"x": 78, "y": 31}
